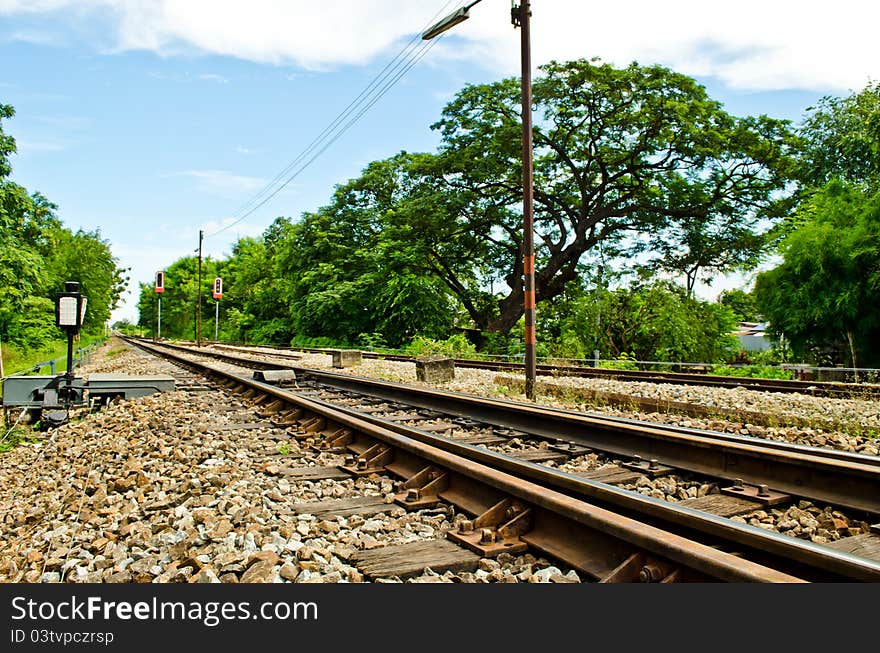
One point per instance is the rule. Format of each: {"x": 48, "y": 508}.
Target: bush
{"x": 457, "y": 346}
{"x": 318, "y": 342}
{"x": 624, "y": 362}
{"x": 752, "y": 371}
{"x": 372, "y": 341}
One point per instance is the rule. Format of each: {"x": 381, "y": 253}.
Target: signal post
{"x": 218, "y": 293}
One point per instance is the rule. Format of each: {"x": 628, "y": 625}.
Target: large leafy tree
{"x": 255, "y": 305}
{"x": 180, "y": 299}
{"x": 38, "y": 254}
{"x": 655, "y": 321}
{"x": 742, "y": 304}
{"x": 382, "y": 257}
{"x": 85, "y": 256}
{"x": 638, "y": 159}
{"x": 21, "y": 271}
{"x": 842, "y": 139}
{"x": 824, "y": 294}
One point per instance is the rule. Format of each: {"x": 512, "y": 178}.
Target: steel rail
{"x": 805, "y": 559}
{"x": 814, "y": 388}
{"x": 560, "y": 525}
{"x": 845, "y": 479}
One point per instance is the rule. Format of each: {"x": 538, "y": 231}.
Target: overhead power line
{"x": 394, "y": 70}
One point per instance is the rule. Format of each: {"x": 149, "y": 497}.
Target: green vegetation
{"x": 127, "y": 328}
{"x": 639, "y": 176}
{"x": 752, "y": 371}
{"x": 37, "y": 255}
{"x": 16, "y": 436}
{"x": 19, "y": 359}
{"x": 741, "y": 303}
{"x": 456, "y": 346}
{"x": 824, "y": 294}
{"x": 623, "y": 362}
{"x": 823, "y": 297}
{"x": 650, "y": 322}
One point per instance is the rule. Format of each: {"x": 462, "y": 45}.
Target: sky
{"x": 150, "y": 120}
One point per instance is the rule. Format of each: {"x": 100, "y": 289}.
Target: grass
{"x": 284, "y": 449}
{"x": 16, "y": 436}
{"x": 16, "y": 361}
{"x": 752, "y": 371}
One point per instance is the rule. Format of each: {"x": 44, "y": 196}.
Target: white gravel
{"x": 846, "y": 424}
{"x": 151, "y": 490}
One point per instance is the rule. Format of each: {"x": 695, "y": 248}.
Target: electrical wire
{"x": 394, "y": 70}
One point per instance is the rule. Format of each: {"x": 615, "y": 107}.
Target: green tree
{"x": 742, "y": 304}
{"x": 842, "y": 139}
{"x": 824, "y": 294}
{"x": 179, "y": 301}
{"x": 7, "y": 143}
{"x": 656, "y": 322}
{"x": 380, "y": 258}
{"x": 631, "y": 158}
{"x": 86, "y": 257}
{"x": 255, "y": 305}
{"x": 700, "y": 249}
{"x": 21, "y": 271}
{"x": 38, "y": 254}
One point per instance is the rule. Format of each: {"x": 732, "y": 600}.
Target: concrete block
{"x": 346, "y": 357}
{"x": 834, "y": 375}
{"x": 435, "y": 369}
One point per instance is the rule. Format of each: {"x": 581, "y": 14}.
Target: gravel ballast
{"x": 164, "y": 489}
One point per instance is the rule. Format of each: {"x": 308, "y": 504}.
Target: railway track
{"x": 813, "y": 388}
{"x": 467, "y": 427}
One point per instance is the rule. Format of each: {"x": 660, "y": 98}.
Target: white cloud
{"x": 218, "y": 246}
{"x": 224, "y": 182}
{"x": 27, "y": 147}
{"x": 752, "y": 44}
{"x": 64, "y": 121}
{"x": 211, "y": 77}
{"x": 37, "y": 37}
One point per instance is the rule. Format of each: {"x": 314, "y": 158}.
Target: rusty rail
{"x": 359, "y": 436}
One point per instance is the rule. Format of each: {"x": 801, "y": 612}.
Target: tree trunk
{"x": 511, "y": 309}
{"x": 852, "y": 352}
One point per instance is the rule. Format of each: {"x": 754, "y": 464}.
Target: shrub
{"x": 456, "y": 346}
{"x": 623, "y": 362}
{"x": 752, "y": 371}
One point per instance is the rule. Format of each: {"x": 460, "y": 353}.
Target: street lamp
{"x": 519, "y": 15}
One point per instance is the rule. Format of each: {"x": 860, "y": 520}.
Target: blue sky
{"x": 151, "y": 120}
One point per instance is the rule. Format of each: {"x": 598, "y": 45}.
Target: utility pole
{"x": 199, "y": 295}
{"x": 600, "y": 269}
{"x": 520, "y": 17}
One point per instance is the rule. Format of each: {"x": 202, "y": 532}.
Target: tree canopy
{"x": 639, "y": 159}
{"x": 38, "y": 254}
{"x": 842, "y": 139}
{"x": 655, "y": 321}
{"x": 822, "y": 298}
{"x": 824, "y": 294}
